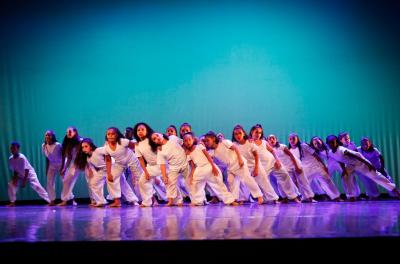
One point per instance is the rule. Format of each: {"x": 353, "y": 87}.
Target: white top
{"x": 285, "y": 159}
{"x": 341, "y": 157}
{"x": 97, "y": 160}
{"x": 225, "y": 154}
{"x": 372, "y": 156}
{"x": 198, "y": 157}
{"x": 176, "y": 139}
{"x": 53, "y": 152}
{"x": 266, "y": 157}
{"x": 308, "y": 160}
{"x": 247, "y": 150}
{"x": 173, "y": 154}
{"x": 351, "y": 146}
{"x": 122, "y": 153}
{"x": 20, "y": 164}
{"x": 143, "y": 150}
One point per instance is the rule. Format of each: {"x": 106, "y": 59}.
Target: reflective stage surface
{"x": 321, "y": 220}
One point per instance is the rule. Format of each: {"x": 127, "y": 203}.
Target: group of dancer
{"x": 145, "y": 167}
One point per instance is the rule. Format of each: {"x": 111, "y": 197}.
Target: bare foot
{"x": 179, "y": 204}
{"x": 52, "y": 203}
{"x": 296, "y": 200}
{"x": 143, "y": 206}
{"x": 234, "y": 204}
{"x": 338, "y": 199}
{"x": 11, "y": 204}
{"x": 214, "y": 200}
{"x": 116, "y": 203}
{"x": 260, "y": 200}
{"x": 63, "y": 203}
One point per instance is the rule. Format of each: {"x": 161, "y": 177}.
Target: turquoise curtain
{"x": 312, "y": 69}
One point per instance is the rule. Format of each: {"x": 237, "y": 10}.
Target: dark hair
{"x": 183, "y": 125}
{"x": 192, "y": 135}
{"x": 331, "y": 138}
{"x": 340, "y": 136}
{"x": 298, "y": 145}
{"x": 81, "y": 157}
{"x": 244, "y": 132}
{"x": 153, "y": 145}
{"x": 148, "y": 128}
{"x": 277, "y": 144}
{"x": 119, "y": 134}
{"x": 254, "y": 128}
{"x": 211, "y": 134}
{"x": 69, "y": 144}
{"x": 174, "y": 128}
{"x": 15, "y": 144}
{"x": 53, "y": 136}
{"x": 128, "y": 130}
{"x": 324, "y": 147}
{"x": 371, "y": 148}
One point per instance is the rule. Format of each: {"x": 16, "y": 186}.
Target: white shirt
{"x": 173, "y": 154}
{"x": 341, "y": 157}
{"x": 285, "y": 159}
{"x": 143, "y": 150}
{"x": 247, "y": 150}
{"x": 122, "y": 153}
{"x": 266, "y": 157}
{"x": 97, "y": 160}
{"x": 372, "y": 156}
{"x": 225, "y": 154}
{"x": 20, "y": 164}
{"x": 53, "y": 152}
{"x": 308, "y": 160}
{"x": 198, "y": 157}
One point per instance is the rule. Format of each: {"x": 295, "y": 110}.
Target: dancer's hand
{"x": 215, "y": 171}
{"x": 110, "y": 178}
{"x": 147, "y": 176}
{"x": 277, "y": 165}
{"x": 165, "y": 180}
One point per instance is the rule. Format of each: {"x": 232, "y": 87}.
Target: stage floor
{"x": 212, "y": 222}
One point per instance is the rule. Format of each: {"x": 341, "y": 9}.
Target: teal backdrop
{"x": 310, "y": 68}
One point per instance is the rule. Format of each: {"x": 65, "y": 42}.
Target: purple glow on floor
{"x": 325, "y": 219}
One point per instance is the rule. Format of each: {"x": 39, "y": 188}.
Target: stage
{"x": 212, "y": 222}
{"x": 173, "y": 231}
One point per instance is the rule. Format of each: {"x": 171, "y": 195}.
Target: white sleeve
{"x": 138, "y": 151}
{"x": 125, "y": 142}
{"x": 227, "y": 143}
{"x": 307, "y": 148}
{"x": 253, "y": 147}
{"x": 160, "y": 158}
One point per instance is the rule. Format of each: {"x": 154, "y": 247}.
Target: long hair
{"x": 298, "y": 145}
{"x": 211, "y": 134}
{"x": 324, "y": 147}
{"x": 371, "y": 148}
{"x": 153, "y": 145}
{"x": 70, "y": 143}
{"x": 81, "y": 157}
{"x": 53, "y": 137}
{"x": 183, "y": 125}
{"x": 119, "y": 134}
{"x": 193, "y": 136}
{"x": 245, "y": 137}
{"x": 254, "y": 128}
{"x": 174, "y": 128}
{"x": 148, "y": 128}
{"x": 340, "y": 136}
{"x": 331, "y": 138}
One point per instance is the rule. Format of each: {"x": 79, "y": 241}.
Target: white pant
{"x": 52, "y": 171}
{"x": 120, "y": 186}
{"x": 96, "y": 186}
{"x": 173, "y": 192}
{"x": 376, "y": 177}
{"x": 148, "y": 188}
{"x": 349, "y": 182}
{"x": 323, "y": 178}
{"x": 69, "y": 180}
{"x": 35, "y": 184}
{"x": 203, "y": 175}
{"x": 303, "y": 184}
{"x": 371, "y": 188}
{"x": 264, "y": 183}
{"x": 237, "y": 175}
{"x": 284, "y": 181}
